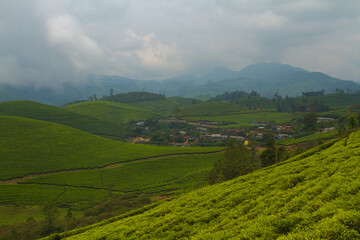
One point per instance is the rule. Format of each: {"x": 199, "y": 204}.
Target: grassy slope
{"x": 244, "y": 119}
{"x": 307, "y": 197}
{"x": 49, "y": 113}
{"x": 211, "y": 109}
{"x": 152, "y": 176}
{"x": 119, "y": 113}
{"x": 166, "y": 106}
{"x": 339, "y": 100}
{"x": 37, "y": 195}
{"x": 32, "y": 146}
{"x": 316, "y": 136}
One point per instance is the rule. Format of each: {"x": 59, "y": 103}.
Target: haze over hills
{"x": 265, "y": 78}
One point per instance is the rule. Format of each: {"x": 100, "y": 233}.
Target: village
{"x": 181, "y": 133}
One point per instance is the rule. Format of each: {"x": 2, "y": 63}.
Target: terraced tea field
{"x": 163, "y": 174}
{"x": 30, "y": 146}
{"x": 38, "y": 111}
{"x": 313, "y": 196}
{"x": 245, "y": 119}
{"x": 119, "y": 113}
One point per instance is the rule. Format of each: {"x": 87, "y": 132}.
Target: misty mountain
{"x": 265, "y": 78}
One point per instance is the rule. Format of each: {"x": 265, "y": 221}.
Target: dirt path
{"x": 112, "y": 165}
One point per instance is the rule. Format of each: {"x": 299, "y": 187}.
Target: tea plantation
{"x": 115, "y": 112}
{"x": 29, "y": 146}
{"x": 39, "y": 111}
{"x": 160, "y": 175}
{"x": 313, "y": 196}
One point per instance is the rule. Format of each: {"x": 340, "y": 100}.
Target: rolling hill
{"x": 166, "y": 106}
{"x": 39, "y": 111}
{"x": 315, "y": 195}
{"x": 265, "y": 78}
{"x": 119, "y": 113}
{"x": 29, "y": 146}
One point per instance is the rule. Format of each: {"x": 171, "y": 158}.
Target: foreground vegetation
{"x": 314, "y": 196}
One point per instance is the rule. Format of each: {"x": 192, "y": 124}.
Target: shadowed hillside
{"x": 39, "y": 111}
{"x": 119, "y": 113}
{"x": 30, "y": 146}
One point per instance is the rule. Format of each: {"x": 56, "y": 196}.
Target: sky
{"x": 48, "y": 42}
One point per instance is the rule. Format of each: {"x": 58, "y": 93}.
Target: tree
{"x": 50, "y": 212}
{"x": 310, "y": 121}
{"x": 268, "y": 157}
{"x": 353, "y": 121}
{"x": 237, "y": 161}
{"x": 68, "y": 218}
{"x": 273, "y": 154}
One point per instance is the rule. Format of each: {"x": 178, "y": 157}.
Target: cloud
{"x": 65, "y": 34}
{"x": 47, "y": 42}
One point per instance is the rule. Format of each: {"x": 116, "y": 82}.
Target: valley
{"x": 127, "y": 155}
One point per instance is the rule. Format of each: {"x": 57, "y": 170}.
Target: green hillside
{"x": 32, "y": 146}
{"x": 212, "y": 109}
{"x": 166, "y": 106}
{"x": 119, "y": 113}
{"x": 312, "y": 196}
{"x": 158, "y": 175}
{"x": 54, "y": 114}
{"x": 246, "y": 118}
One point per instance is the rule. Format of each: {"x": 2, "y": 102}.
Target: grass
{"x": 30, "y": 146}
{"x": 316, "y": 136}
{"x": 312, "y": 196}
{"x": 10, "y": 214}
{"x": 59, "y": 115}
{"x": 119, "y": 113}
{"x": 37, "y": 195}
{"x": 161, "y": 175}
{"x": 167, "y": 106}
{"x": 245, "y": 119}
{"x": 212, "y": 109}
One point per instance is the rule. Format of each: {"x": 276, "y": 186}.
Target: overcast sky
{"x": 47, "y": 42}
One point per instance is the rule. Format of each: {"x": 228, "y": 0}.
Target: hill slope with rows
{"x": 39, "y": 111}
{"x": 315, "y": 195}
{"x": 119, "y": 113}
{"x": 29, "y": 146}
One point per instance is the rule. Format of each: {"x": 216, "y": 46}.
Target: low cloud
{"x": 48, "y": 42}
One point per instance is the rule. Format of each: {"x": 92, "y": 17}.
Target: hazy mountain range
{"x": 265, "y": 78}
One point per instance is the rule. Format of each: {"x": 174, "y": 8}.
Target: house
{"x": 239, "y": 138}
{"x": 140, "y": 123}
{"x": 324, "y": 119}
{"x": 201, "y": 129}
{"x": 216, "y": 136}
{"x": 263, "y": 123}
{"x": 328, "y": 129}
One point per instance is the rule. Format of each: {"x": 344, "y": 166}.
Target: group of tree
{"x": 132, "y": 97}
{"x": 228, "y": 96}
{"x": 55, "y": 222}
{"x": 273, "y": 154}
{"x": 238, "y": 160}
{"x": 313, "y": 93}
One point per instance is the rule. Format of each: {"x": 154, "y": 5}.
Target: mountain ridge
{"x": 265, "y": 78}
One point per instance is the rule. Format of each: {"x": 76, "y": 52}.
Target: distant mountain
{"x": 265, "y": 78}
{"x": 267, "y": 71}
{"x": 218, "y": 74}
